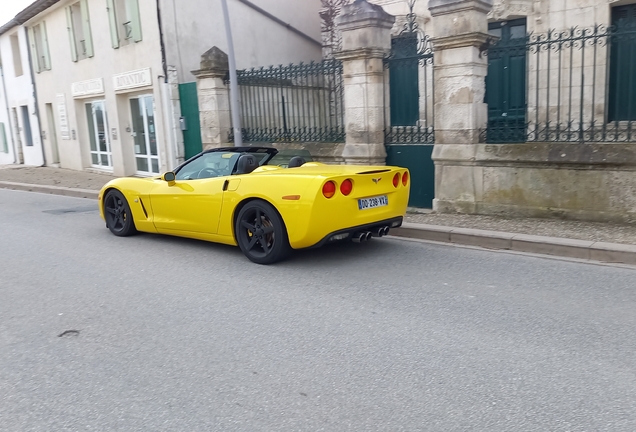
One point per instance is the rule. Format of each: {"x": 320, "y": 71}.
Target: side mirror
{"x": 169, "y": 177}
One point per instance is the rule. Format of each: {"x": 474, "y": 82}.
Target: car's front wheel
{"x": 118, "y": 215}
{"x": 261, "y": 233}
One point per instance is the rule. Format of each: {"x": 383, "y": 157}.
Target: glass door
{"x": 101, "y": 155}
{"x": 142, "y": 110}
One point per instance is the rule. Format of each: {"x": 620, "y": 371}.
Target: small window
{"x": 17, "y": 58}
{"x": 79, "y": 30}
{"x": 39, "y": 47}
{"x": 125, "y": 22}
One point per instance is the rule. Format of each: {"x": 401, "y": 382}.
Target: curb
{"x": 56, "y": 190}
{"x": 616, "y": 253}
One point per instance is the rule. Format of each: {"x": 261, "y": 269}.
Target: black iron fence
{"x": 577, "y": 85}
{"x": 410, "y": 90}
{"x": 295, "y": 103}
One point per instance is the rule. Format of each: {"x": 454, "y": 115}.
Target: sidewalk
{"x": 594, "y": 241}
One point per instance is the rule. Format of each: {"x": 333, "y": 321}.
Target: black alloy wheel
{"x": 118, "y": 215}
{"x": 261, "y": 233}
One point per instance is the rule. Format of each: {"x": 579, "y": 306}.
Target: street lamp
{"x": 234, "y": 98}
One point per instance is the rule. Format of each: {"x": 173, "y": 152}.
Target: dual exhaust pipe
{"x": 363, "y": 236}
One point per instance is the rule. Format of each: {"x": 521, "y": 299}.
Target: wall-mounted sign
{"x": 132, "y": 79}
{"x": 62, "y": 116}
{"x": 88, "y": 87}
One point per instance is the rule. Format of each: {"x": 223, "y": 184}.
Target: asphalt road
{"x": 180, "y": 335}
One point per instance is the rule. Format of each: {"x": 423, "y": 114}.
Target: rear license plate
{"x": 373, "y": 202}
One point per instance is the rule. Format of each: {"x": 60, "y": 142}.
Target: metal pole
{"x": 234, "y": 96}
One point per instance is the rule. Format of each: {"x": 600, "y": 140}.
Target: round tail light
{"x": 396, "y": 179}
{"x": 346, "y": 187}
{"x": 329, "y": 189}
{"x": 405, "y": 178}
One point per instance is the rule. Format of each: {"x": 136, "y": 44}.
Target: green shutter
{"x": 112, "y": 19}
{"x": 132, "y": 11}
{"x": 35, "y": 63}
{"x": 3, "y": 139}
{"x": 71, "y": 33}
{"x": 45, "y": 46}
{"x": 86, "y": 23}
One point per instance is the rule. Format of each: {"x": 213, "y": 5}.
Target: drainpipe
{"x": 35, "y": 95}
{"x": 6, "y": 99}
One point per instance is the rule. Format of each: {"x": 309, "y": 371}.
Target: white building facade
{"x": 107, "y": 74}
{"x": 98, "y": 72}
{"x": 20, "y": 139}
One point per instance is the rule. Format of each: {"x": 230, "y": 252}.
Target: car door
{"x": 193, "y": 201}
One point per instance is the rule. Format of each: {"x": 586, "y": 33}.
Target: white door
{"x": 101, "y": 155}
{"x": 142, "y": 110}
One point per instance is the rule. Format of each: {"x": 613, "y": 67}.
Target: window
{"x": 17, "y": 58}
{"x": 4, "y": 145}
{"x": 39, "y": 47}
{"x": 215, "y": 164}
{"x": 26, "y": 123}
{"x": 125, "y": 22}
{"x": 101, "y": 155}
{"x": 79, "y": 30}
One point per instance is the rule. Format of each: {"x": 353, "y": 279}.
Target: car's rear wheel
{"x": 118, "y": 215}
{"x": 261, "y": 233}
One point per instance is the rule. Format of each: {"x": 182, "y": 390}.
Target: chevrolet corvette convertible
{"x": 263, "y": 201}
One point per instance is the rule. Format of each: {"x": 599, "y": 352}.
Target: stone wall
{"x": 594, "y": 182}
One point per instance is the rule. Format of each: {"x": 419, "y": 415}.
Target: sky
{"x": 9, "y": 9}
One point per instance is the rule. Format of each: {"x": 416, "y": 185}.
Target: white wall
{"x": 106, "y": 62}
{"x": 194, "y": 26}
{"x": 20, "y": 93}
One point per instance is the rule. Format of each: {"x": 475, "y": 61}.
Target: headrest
{"x": 295, "y": 162}
{"x": 246, "y": 164}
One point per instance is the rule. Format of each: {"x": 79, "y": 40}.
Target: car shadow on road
{"x": 333, "y": 255}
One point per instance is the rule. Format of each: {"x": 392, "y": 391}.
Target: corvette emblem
{"x": 376, "y": 180}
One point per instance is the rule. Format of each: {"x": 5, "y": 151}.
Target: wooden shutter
{"x": 132, "y": 11}
{"x": 86, "y": 23}
{"x": 71, "y": 32}
{"x": 35, "y": 61}
{"x": 45, "y": 46}
{"x": 112, "y": 19}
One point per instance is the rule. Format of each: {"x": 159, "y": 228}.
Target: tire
{"x": 261, "y": 233}
{"x": 118, "y": 216}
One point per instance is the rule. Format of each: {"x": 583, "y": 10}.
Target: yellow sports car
{"x": 265, "y": 201}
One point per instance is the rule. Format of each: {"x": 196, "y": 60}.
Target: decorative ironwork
{"x": 571, "y": 93}
{"x": 294, "y": 103}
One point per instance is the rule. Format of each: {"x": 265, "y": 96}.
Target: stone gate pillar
{"x": 460, "y": 35}
{"x": 461, "y": 31}
{"x": 214, "y": 99}
{"x": 366, "y": 39}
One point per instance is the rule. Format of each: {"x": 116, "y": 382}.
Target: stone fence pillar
{"x": 366, "y": 39}
{"x": 214, "y": 99}
{"x": 461, "y": 31}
